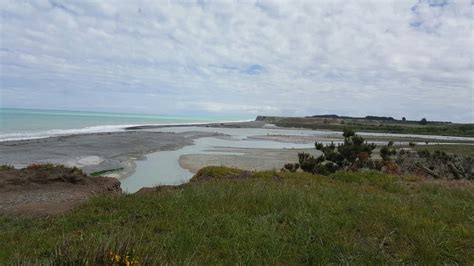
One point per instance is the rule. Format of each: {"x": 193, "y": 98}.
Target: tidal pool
{"x": 163, "y": 168}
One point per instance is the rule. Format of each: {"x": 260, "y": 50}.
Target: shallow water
{"x": 162, "y": 168}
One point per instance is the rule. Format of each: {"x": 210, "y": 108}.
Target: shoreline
{"x": 95, "y": 152}
{"x": 107, "y": 128}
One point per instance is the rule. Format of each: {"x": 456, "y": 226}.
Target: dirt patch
{"x": 41, "y": 190}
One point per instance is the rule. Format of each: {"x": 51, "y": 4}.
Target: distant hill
{"x": 372, "y": 123}
{"x": 369, "y": 117}
{"x": 341, "y": 117}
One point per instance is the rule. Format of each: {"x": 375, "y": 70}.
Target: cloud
{"x": 398, "y": 58}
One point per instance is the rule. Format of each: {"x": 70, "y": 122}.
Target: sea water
{"x": 18, "y": 124}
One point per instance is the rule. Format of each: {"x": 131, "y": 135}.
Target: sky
{"x": 400, "y": 58}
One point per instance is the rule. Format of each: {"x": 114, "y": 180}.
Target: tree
{"x": 404, "y": 119}
{"x": 423, "y": 121}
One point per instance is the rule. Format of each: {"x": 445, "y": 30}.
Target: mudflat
{"x": 94, "y": 152}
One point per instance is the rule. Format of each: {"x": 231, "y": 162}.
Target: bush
{"x": 292, "y": 167}
{"x": 353, "y": 153}
{"x": 6, "y": 167}
{"x": 385, "y": 153}
{"x": 424, "y": 153}
{"x": 347, "y": 133}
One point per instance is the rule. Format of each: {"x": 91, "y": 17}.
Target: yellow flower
{"x": 117, "y": 258}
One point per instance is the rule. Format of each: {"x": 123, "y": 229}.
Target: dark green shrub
{"x": 292, "y": 167}
{"x": 353, "y": 153}
{"x": 384, "y": 153}
{"x": 6, "y": 167}
{"x": 347, "y": 132}
{"x": 424, "y": 153}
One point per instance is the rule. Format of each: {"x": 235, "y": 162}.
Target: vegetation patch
{"x": 103, "y": 172}
{"x": 346, "y": 217}
{"x": 355, "y": 155}
{"x": 374, "y": 124}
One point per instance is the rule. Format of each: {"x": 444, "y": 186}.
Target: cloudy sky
{"x": 398, "y": 58}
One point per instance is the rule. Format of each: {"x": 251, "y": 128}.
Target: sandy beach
{"x": 245, "y": 159}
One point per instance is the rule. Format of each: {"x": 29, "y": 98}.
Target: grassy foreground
{"x": 259, "y": 218}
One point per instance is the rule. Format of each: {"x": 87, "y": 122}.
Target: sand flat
{"x": 246, "y": 159}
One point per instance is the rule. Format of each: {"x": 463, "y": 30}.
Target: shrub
{"x": 347, "y": 133}
{"x": 424, "y": 153}
{"x": 353, "y": 153}
{"x": 292, "y": 167}
{"x": 384, "y": 153}
{"x": 6, "y": 167}
{"x": 308, "y": 162}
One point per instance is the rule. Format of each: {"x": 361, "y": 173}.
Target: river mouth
{"x": 245, "y": 148}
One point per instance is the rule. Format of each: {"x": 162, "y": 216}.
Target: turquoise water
{"x": 18, "y": 124}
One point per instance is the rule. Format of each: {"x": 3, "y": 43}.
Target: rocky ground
{"x": 41, "y": 190}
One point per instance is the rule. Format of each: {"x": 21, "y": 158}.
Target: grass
{"x": 269, "y": 218}
{"x": 463, "y": 130}
{"x": 6, "y": 167}
{"x": 465, "y": 150}
{"x": 99, "y": 173}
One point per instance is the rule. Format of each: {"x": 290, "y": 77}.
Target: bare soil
{"x": 42, "y": 190}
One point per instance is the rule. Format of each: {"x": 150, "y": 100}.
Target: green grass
{"x": 465, "y": 150}
{"x": 273, "y": 218}
{"x": 99, "y": 173}
{"x": 6, "y": 167}
{"x": 465, "y": 130}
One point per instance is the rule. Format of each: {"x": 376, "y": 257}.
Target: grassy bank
{"x": 265, "y": 217}
{"x": 465, "y": 150}
{"x": 443, "y": 129}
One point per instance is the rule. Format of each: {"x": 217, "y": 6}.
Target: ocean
{"x": 19, "y": 124}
